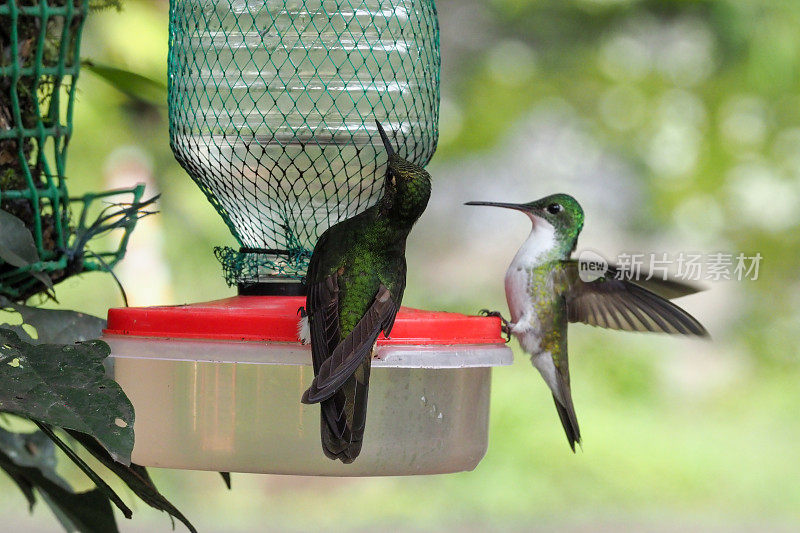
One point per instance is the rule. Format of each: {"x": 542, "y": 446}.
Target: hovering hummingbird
{"x": 356, "y": 278}
{"x": 545, "y": 291}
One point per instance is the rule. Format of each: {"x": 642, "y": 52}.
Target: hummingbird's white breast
{"x": 525, "y": 323}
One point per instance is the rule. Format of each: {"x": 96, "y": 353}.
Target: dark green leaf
{"x": 32, "y": 449}
{"x": 226, "y": 477}
{"x": 24, "y": 485}
{"x": 86, "y": 512}
{"x": 55, "y": 325}
{"x": 134, "y": 476}
{"x": 65, "y": 385}
{"x": 29, "y": 458}
{"x": 99, "y": 482}
{"x": 133, "y": 85}
{"x": 17, "y": 246}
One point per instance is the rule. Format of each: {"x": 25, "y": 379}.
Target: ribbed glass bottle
{"x": 272, "y": 107}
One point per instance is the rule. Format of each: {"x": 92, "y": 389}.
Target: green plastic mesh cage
{"x": 272, "y": 110}
{"x": 39, "y": 66}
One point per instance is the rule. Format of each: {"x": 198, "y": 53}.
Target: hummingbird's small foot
{"x": 504, "y": 325}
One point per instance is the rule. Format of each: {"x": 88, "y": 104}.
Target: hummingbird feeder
{"x": 272, "y": 108}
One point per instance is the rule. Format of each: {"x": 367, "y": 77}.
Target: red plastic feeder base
{"x": 217, "y": 386}
{"x": 275, "y": 318}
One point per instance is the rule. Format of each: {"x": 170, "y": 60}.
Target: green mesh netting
{"x": 39, "y": 65}
{"x": 272, "y": 107}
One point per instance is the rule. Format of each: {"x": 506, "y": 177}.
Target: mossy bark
{"x": 27, "y": 103}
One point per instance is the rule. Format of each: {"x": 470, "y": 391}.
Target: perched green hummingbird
{"x": 355, "y": 282}
{"x": 545, "y": 291}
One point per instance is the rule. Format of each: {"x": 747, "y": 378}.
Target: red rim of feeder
{"x": 275, "y": 318}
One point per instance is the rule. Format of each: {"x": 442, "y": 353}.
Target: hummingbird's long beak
{"x": 518, "y": 207}
{"x": 385, "y": 139}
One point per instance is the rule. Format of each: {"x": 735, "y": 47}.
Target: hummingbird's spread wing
{"x": 623, "y": 305}
{"x": 348, "y": 355}
{"x": 666, "y": 288}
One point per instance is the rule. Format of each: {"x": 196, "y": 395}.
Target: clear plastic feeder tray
{"x": 217, "y": 386}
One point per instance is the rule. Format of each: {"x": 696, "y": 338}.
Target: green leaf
{"x": 17, "y": 246}
{"x": 32, "y": 449}
{"x": 24, "y": 485}
{"x": 65, "y": 385}
{"x": 55, "y": 325}
{"x": 99, "y": 482}
{"x": 12, "y": 445}
{"x": 86, "y": 512}
{"x": 134, "y": 476}
{"x": 30, "y": 460}
{"x": 133, "y": 85}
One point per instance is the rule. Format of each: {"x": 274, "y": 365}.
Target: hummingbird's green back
{"x": 370, "y": 248}
{"x": 356, "y": 279}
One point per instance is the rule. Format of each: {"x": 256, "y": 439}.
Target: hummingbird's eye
{"x": 554, "y": 209}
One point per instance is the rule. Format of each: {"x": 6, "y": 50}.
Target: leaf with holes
{"x": 65, "y": 385}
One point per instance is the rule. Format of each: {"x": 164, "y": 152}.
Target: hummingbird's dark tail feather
{"x": 562, "y": 396}
{"x": 557, "y": 379}
{"x": 569, "y": 421}
{"x": 344, "y": 417}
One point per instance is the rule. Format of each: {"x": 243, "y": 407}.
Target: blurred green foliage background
{"x": 677, "y": 126}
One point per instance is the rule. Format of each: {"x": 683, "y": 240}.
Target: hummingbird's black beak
{"x": 385, "y": 139}
{"x": 518, "y": 207}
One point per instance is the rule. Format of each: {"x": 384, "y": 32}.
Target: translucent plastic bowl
{"x": 210, "y": 393}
